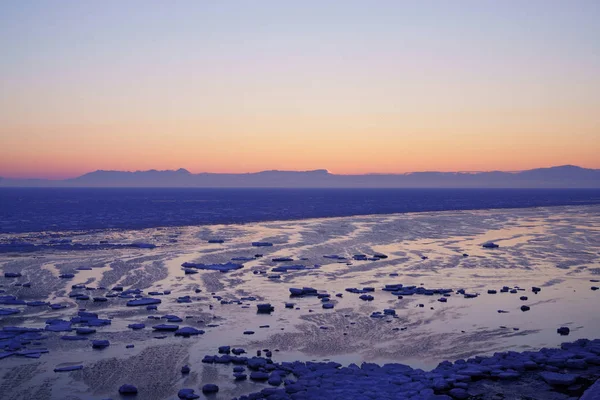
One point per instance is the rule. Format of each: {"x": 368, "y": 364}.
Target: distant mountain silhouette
{"x": 566, "y": 176}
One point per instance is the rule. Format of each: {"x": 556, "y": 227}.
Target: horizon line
{"x": 284, "y": 170}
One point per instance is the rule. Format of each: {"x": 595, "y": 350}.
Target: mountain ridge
{"x": 563, "y": 176}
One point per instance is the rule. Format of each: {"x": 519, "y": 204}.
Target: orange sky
{"x": 240, "y": 88}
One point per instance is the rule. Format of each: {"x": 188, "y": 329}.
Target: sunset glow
{"x": 249, "y": 86}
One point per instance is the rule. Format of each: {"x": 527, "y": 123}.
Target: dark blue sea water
{"x": 59, "y": 209}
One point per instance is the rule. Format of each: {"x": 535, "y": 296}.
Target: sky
{"x": 243, "y": 86}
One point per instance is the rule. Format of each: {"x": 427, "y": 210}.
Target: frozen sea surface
{"x": 555, "y": 248}
{"x": 59, "y": 209}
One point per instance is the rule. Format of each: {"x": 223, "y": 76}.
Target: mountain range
{"x": 566, "y": 176}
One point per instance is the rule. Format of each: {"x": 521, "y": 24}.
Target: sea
{"x": 66, "y": 209}
{"x": 74, "y": 258}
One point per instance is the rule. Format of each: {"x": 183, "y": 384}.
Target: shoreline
{"x": 553, "y": 373}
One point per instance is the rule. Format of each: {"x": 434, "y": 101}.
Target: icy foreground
{"x": 356, "y": 307}
{"x": 549, "y": 374}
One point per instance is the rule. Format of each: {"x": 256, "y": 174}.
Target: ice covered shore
{"x": 553, "y": 373}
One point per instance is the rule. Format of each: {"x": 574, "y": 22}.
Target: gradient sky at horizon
{"x": 243, "y": 86}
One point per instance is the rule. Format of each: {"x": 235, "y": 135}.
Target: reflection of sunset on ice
{"x": 437, "y": 293}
